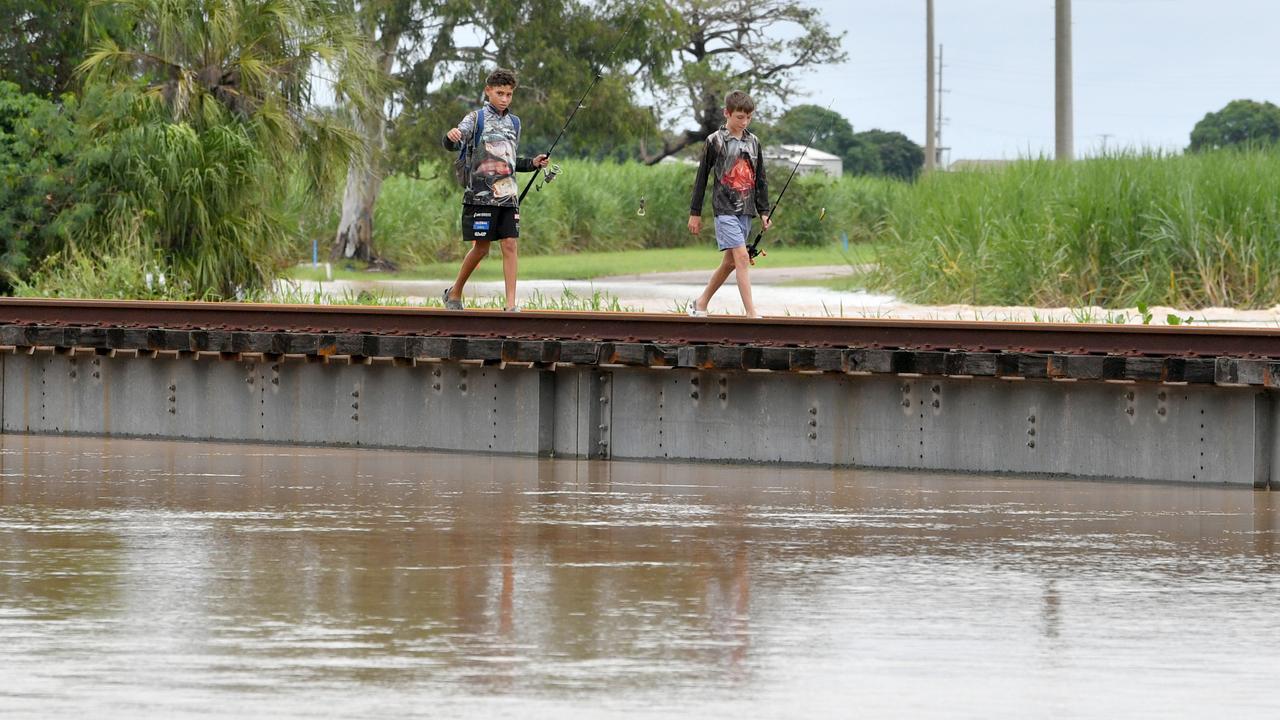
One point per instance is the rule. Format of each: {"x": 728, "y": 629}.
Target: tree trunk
{"x": 354, "y": 239}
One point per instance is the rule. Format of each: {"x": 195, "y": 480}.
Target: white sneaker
{"x": 695, "y": 312}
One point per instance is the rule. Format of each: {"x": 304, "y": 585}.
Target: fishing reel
{"x": 640, "y": 210}
{"x": 549, "y": 173}
{"x": 754, "y": 251}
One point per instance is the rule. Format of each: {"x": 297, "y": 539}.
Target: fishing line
{"x": 579, "y": 105}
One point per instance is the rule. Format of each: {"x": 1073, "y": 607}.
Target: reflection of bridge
{"x": 1166, "y": 403}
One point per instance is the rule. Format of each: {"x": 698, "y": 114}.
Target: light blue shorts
{"x": 732, "y": 231}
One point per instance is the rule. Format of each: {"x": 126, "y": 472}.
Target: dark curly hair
{"x": 500, "y": 77}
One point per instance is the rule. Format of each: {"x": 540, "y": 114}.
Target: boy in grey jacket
{"x": 488, "y": 137}
{"x": 733, "y": 158}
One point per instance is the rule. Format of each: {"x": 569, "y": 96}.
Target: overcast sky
{"x": 1145, "y": 70}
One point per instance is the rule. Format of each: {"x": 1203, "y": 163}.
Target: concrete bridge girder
{"x": 1149, "y": 431}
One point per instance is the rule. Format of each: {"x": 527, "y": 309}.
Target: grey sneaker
{"x": 450, "y": 303}
{"x": 511, "y": 309}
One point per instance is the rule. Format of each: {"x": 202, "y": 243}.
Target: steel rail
{"x": 933, "y": 335}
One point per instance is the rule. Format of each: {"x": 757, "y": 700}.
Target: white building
{"x": 815, "y": 160}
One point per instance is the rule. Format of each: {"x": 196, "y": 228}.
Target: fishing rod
{"x": 753, "y": 250}
{"x": 599, "y": 76}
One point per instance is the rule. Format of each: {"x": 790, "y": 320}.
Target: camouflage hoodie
{"x": 491, "y": 179}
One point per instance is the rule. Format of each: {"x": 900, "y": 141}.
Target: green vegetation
{"x": 38, "y": 143}
{"x": 42, "y": 43}
{"x": 1242, "y": 123}
{"x": 182, "y": 139}
{"x": 593, "y": 207}
{"x": 1184, "y": 231}
{"x": 191, "y": 151}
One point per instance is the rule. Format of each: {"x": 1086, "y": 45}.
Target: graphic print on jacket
{"x": 737, "y": 172}
{"x": 735, "y": 168}
{"x": 491, "y": 180}
{"x": 741, "y": 178}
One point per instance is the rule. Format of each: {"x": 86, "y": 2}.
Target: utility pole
{"x": 1063, "y": 127}
{"x": 930, "y": 130}
{"x": 941, "y": 119}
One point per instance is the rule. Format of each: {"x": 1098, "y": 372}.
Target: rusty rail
{"x": 929, "y": 335}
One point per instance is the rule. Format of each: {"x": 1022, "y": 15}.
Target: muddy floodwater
{"x": 164, "y": 579}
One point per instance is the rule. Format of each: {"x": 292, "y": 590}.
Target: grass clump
{"x": 293, "y": 294}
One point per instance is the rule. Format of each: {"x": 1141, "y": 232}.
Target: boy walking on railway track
{"x": 734, "y": 159}
{"x": 486, "y": 140}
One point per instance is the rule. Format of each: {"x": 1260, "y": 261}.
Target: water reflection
{"x": 149, "y": 578}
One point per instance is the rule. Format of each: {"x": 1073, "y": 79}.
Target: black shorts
{"x": 487, "y": 222}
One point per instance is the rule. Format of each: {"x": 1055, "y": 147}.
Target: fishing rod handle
{"x": 527, "y": 186}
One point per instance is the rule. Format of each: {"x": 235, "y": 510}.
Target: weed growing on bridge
{"x": 295, "y": 294}
{"x": 596, "y": 301}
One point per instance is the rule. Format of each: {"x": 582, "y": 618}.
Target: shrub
{"x": 38, "y": 142}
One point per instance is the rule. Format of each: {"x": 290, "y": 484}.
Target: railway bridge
{"x": 1154, "y": 403}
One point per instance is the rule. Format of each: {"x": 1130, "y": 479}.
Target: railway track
{"x": 671, "y": 329}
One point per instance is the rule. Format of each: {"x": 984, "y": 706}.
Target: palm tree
{"x": 262, "y": 61}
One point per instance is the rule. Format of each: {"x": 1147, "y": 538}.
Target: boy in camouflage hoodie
{"x": 488, "y": 137}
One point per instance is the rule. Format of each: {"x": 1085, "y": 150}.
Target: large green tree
{"x": 899, "y": 156}
{"x": 42, "y": 43}
{"x": 436, "y": 54}
{"x": 830, "y": 131}
{"x": 758, "y": 46}
{"x": 871, "y": 152}
{"x": 1241, "y": 122}
{"x": 556, "y": 48}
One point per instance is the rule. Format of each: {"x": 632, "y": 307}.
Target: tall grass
{"x": 594, "y": 207}
{"x": 1186, "y": 231}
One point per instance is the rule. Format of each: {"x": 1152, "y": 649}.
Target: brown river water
{"x": 164, "y": 579}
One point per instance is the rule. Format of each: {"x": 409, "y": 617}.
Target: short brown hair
{"x": 501, "y": 77}
{"x": 739, "y": 101}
